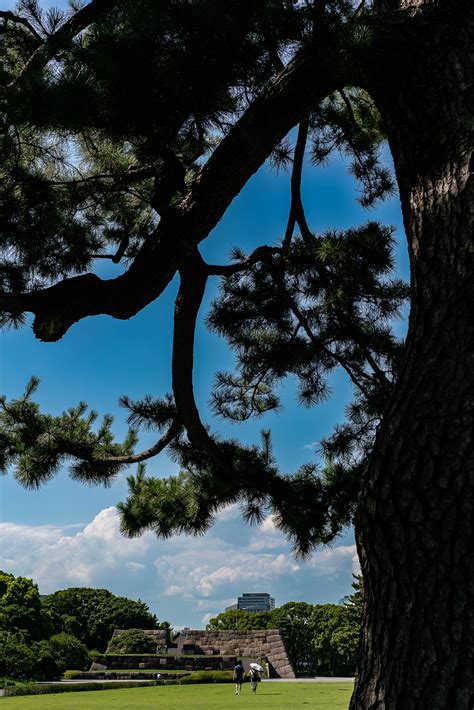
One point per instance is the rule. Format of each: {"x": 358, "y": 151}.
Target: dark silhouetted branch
{"x": 62, "y": 37}
{"x": 9, "y": 16}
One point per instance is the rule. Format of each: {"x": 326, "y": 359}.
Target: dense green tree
{"x": 95, "y": 613}
{"x": 45, "y": 660}
{"x": 68, "y": 652}
{"x": 335, "y": 639}
{"x": 70, "y": 625}
{"x": 320, "y": 639}
{"x": 20, "y": 607}
{"x": 127, "y": 130}
{"x": 239, "y": 620}
{"x": 354, "y": 602}
{"x": 45, "y": 666}
{"x": 132, "y": 641}
{"x": 16, "y": 657}
{"x": 293, "y": 620}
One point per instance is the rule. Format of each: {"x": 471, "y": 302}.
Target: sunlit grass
{"x": 277, "y": 696}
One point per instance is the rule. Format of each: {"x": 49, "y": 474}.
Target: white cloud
{"x": 184, "y": 579}
{"x": 135, "y": 566}
{"x": 247, "y": 569}
{"x": 329, "y": 561}
{"x": 54, "y": 556}
{"x": 173, "y": 591}
{"x": 230, "y": 512}
{"x": 268, "y": 537}
{"x": 268, "y": 526}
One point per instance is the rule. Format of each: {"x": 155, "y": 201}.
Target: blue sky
{"x": 67, "y": 534}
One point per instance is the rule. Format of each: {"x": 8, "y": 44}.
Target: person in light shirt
{"x": 254, "y": 676}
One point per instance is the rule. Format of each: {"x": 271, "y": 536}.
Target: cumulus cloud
{"x": 329, "y": 561}
{"x": 247, "y": 569}
{"x": 269, "y": 537}
{"x": 268, "y": 526}
{"x": 185, "y": 579}
{"x": 56, "y": 556}
{"x": 173, "y": 591}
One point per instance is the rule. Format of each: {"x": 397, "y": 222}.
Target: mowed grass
{"x": 277, "y": 696}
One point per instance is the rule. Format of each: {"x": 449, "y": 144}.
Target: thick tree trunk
{"x": 415, "y": 523}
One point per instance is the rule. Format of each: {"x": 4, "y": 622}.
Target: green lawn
{"x": 163, "y": 671}
{"x": 277, "y": 696}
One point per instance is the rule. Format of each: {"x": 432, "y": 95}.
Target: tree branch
{"x": 259, "y": 254}
{"x": 9, "y": 16}
{"x": 62, "y": 37}
{"x": 154, "y": 450}
{"x": 83, "y": 452}
{"x": 354, "y": 373}
{"x": 241, "y": 152}
{"x": 296, "y": 206}
{"x": 188, "y": 301}
{"x": 129, "y": 177}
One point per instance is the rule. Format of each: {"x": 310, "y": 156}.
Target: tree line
{"x": 41, "y": 637}
{"x": 321, "y": 639}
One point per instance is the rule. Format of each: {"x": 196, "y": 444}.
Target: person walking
{"x": 238, "y": 677}
{"x": 254, "y": 676}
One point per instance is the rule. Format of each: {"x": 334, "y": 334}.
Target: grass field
{"x": 274, "y": 696}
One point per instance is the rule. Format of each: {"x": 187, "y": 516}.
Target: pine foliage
{"x": 105, "y": 133}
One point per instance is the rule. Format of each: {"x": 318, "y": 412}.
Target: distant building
{"x": 254, "y": 602}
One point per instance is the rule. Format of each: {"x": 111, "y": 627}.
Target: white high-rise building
{"x": 254, "y": 602}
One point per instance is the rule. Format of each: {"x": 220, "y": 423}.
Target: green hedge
{"x": 48, "y": 688}
{"x": 105, "y": 656}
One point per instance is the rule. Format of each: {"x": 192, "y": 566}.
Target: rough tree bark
{"x": 415, "y": 520}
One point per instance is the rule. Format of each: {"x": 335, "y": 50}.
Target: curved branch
{"x": 154, "y": 450}
{"x": 188, "y": 301}
{"x": 9, "y": 16}
{"x": 58, "y": 307}
{"x": 243, "y": 150}
{"x": 259, "y": 254}
{"x": 353, "y": 372}
{"x": 266, "y": 371}
{"x": 83, "y": 452}
{"x": 62, "y": 37}
{"x": 296, "y": 206}
{"x": 128, "y": 177}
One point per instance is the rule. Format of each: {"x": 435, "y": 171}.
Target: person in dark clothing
{"x": 238, "y": 677}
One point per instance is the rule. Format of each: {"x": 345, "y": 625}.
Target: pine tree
{"x": 126, "y": 131}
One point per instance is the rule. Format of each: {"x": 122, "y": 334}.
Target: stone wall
{"x": 159, "y": 636}
{"x": 264, "y": 644}
{"x": 259, "y": 645}
{"x": 185, "y": 663}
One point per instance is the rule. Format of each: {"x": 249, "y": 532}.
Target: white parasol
{"x": 256, "y": 666}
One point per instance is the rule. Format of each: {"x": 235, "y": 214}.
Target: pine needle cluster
{"x": 109, "y": 129}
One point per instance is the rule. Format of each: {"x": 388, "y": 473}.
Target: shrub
{"x": 46, "y": 689}
{"x": 46, "y": 667}
{"x": 132, "y": 641}
{"x": 93, "y": 614}
{"x": 16, "y": 658}
{"x": 68, "y": 652}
